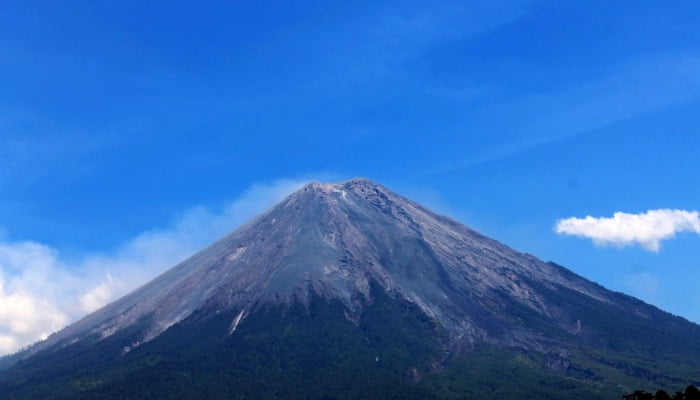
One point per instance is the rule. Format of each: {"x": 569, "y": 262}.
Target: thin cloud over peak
{"x": 622, "y": 229}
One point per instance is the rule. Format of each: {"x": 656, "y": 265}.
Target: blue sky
{"x": 132, "y": 133}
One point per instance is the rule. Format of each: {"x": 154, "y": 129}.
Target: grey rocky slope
{"x": 336, "y": 240}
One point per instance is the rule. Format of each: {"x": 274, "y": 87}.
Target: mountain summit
{"x": 357, "y": 265}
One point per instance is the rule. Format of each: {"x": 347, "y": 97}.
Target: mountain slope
{"x": 370, "y": 261}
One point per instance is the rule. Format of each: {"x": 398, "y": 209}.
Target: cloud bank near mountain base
{"x": 41, "y": 291}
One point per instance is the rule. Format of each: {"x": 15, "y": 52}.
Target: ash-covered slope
{"x": 332, "y": 240}
{"x": 389, "y": 275}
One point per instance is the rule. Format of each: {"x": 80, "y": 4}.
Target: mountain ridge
{"x": 362, "y": 247}
{"x": 341, "y": 238}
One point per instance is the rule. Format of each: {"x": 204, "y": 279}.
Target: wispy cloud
{"x": 399, "y": 36}
{"x": 620, "y": 93}
{"x": 622, "y": 229}
{"x": 41, "y": 291}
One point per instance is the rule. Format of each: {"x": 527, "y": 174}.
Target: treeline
{"x": 691, "y": 393}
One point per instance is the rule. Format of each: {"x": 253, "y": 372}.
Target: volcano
{"x": 348, "y": 290}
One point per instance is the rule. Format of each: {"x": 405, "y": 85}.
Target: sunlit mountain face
{"x": 348, "y": 290}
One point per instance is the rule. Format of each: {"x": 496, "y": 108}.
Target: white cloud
{"x": 28, "y": 301}
{"x": 41, "y": 292}
{"x": 98, "y": 296}
{"x": 647, "y": 229}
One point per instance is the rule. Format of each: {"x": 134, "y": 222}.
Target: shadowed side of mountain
{"x": 312, "y": 351}
{"x": 344, "y": 285}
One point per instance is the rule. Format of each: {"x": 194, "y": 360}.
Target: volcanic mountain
{"x": 348, "y": 290}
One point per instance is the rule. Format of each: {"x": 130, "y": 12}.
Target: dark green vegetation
{"x": 351, "y": 291}
{"x": 690, "y": 393}
{"x": 274, "y": 353}
{"x": 318, "y": 353}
